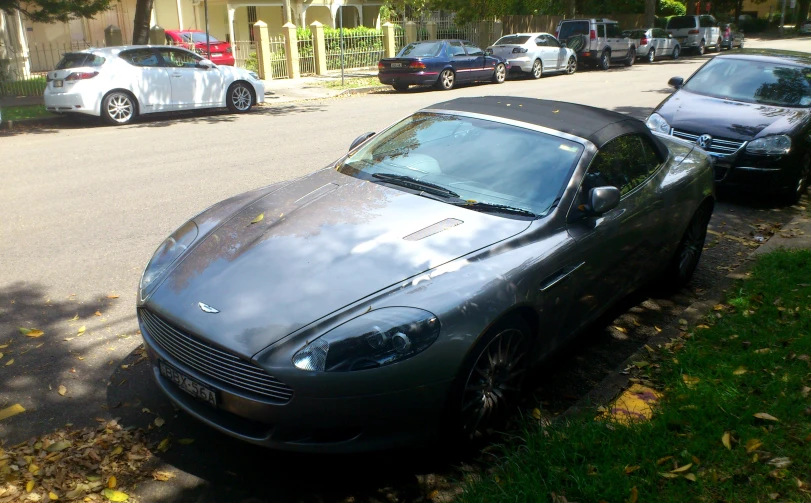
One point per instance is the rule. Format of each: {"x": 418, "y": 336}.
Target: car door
{"x": 460, "y": 61}
{"x": 619, "y": 44}
{"x": 479, "y": 69}
{"x": 552, "y": 52}
{"x": 602, "y": 41}
{"x": 150, "y": 80}
{"x": 192, "y": 85}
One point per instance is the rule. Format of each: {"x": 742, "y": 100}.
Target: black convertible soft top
{"x": 597, "y": 125}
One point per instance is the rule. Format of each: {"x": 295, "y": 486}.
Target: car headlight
{"x": 372, "y": 340}
{"x": 254, "y": 75}
{"x": 658, "y": 124}
{"x": 167, "y": 252}
{"x": 770, "y": 145}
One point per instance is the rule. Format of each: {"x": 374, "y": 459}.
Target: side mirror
{"x": 205, "y": 64}
{"x": 676, "y": 82}
{"x": 360, "y": 139}
{"x": 603, "y": 199}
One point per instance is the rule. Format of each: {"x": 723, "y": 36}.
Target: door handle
{"x": 176, "y": 75}
{"x": 559, "y": 276}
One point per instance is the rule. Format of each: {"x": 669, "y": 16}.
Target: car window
{"x": 197, "y": 37}
{"x": 551, "y": 41}
{"x": 624, "y": 163}
{"x": 681, "y": 22}
{"x": 512, "y": 40}
{"x": 540, "y": 41}
{"x": 177, "y": 58}
{"x": 140, "y": 57}
{"x": 472, "y": 50}
{"x": 572, "y": 28}
{"x": 457, "y": 49}
{"x": 612, "y": 31}
{"x": 421, "y": 50}
{"x": 466, "y": 155}
{"x": 79, "y": 59}
{"x": 601, "y": 30}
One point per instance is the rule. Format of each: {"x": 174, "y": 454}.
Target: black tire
{"x": 605, "y": 60}
{"x": 685, "y": 260}
{"x": 800, "y": 185}
{"x": 488, "y": 386}
{"x": 701, "y": 48}
{"x": 446, "y": 80}
{"x": 651, "y": 55}
{"x": 537, "y": 69}
{"x": 400, "y": 87}
{"x": 119, "y": 108}
{"x": 239, "y": 98}
{"x": 630, "y": 59}
{"x": 499, "y": 74}
{"x": 571, "y": 65}
{"x": 740, "y": 46}
{"x": 676, "y": 52}
{"x": 718, "y": 45}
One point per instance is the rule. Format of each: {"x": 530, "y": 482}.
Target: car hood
{"x": 728, "y": 119}
{"x": 315, "y": 246}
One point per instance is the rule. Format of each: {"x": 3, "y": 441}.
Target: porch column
{"x": 24, "y": 62}
{"x": 291, "y": 50}
{"x": 179, "y": 15}
{"x": 231, "y": 11}
{"x": 260, "y": 34}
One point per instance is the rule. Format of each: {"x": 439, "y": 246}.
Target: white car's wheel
{"x": 651, "y": 55}
{"x": 118, "y": 108}
{"x": 571, "y": 66}
{"x": 240, "y": 98}
{"x": 537, "y": 69}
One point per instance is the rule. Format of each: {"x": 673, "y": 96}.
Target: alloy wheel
{"x": 605, "y": 61}
{"x": 802, "y": 179}
{"x": 500, "y": 73}
{"x": 651, "y": 55}
{"x": 571, "y": 66}
{"x": 241, "y": 98}
{"x": 631, "y": 58}
{"x": 693, "y": 243}
{"x": 676, "y": 52}
{"x": 700, "y": 49}
{"x": 494, "y": 383}
{"x": 120, "y": 108}
{"x": 447, "y": 79}
{"x": 537, "y": 69}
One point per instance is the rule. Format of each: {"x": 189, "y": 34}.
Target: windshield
{"x": 79, "y": 59}
{"x": 512, "y": 40}
{"x": 573, "y": 28}
{"x": 467, "y": 158}
{"x": 753, "y": 82}
{"x": 681, "y": 22}
{"x": 635, "y": 34}
{"x": 198, "y": 38}
{"x": 421, "y": 50}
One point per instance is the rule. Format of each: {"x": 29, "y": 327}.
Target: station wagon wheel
{"x": 605, "y": 60}
{"x": 571, "y": 66}
{"x": 492, "y": 385}
{"x": 718, "y": 45}
{"x": 446, "y": 80}
{"x": 499, "y": 74}
{"x": 651, "y": 55}
{"x": 700, "y": 49}
{"x": 118, "y": 108}
{"x": 537, "y": 69}
{"x": 239, "y": 98}
{"x": 676, "y": 52}
{"x": 801, "y": 182}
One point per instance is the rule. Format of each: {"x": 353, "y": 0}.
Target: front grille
{"x": 721, "y": 146}
{"x": 213, "y": 362}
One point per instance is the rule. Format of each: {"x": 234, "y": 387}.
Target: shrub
{"x": 670, "y": 8}
{"x": 252, "y": 63}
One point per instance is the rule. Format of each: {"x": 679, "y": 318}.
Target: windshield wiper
{"x": 496, "y": 208}
{"x": 413, "y": 183}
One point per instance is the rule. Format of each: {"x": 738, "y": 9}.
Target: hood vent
{"x": 436, "y": 228}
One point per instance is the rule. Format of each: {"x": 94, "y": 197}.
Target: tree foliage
{"x": 670, "y": 8}
{"x": 52, "y": 11}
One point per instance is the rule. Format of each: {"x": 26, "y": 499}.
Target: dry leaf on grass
{"x": 753, "y": 444}
{"x": 726, "y": 440}
{"x": 765, "y": 416}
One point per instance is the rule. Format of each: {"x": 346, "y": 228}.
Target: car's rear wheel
{"x": 240, "y": 99}
{"x": 676, "y": 52}
{"x": 446, "y": 80}
{"x": 700, "y": 49}
{"x": 688, "y": 253}
{"x": 651, "y": 55}
{"x": 499, "y": 74}
{"x": 605, "y": 60}
{"x": 119, "y": 108}
{"x": 400, "y": 87}
{"x": 537, "y": 69}
{"x": 489, "y": 385}
{"x": 571, "y": 66}
{"x": 631, "y": 58}
{"x": 740, "y": 46}
{"x": 800, "y": 184}
{"x": 718, "y": 45}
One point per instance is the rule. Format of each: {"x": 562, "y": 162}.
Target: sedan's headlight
{"x": 770, "y": 145}
{"x": 167, "y": 252}
{"x": 254, "y": 75}
{"x": 658, "y": 124}
{"x": 372, "y": 340}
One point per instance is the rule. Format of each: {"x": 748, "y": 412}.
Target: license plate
{"x": 216, "y": 54}
{"x": 58, "y": 83}
{"x": 396, "y": 65}
{"x": 188, "y": 384}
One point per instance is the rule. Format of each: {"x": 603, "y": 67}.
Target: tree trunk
{"x": 650, "y": 12}
{"x": 143, "y": 15}
{"x": 738, "y": 8}
{"x": 571, "y": 8}
{"x": 691, "y": 7}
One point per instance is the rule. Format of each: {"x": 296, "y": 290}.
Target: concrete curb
{"x": 8, "y": 125}
{"x": 361, "y": 90}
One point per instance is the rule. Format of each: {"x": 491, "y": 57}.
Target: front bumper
{"x": 69, "y": 103}
{"x": 408, "y": 78}
{"x": 309, "y": 424}
{"x": 771, "y": 174}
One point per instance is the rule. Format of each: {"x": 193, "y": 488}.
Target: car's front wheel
{"x": 537, "y": 69}
{"x": 571, "y": 66}
{"x": 800, "y": 184}
{"x": 676, "y": 52}
{"x": 119, "y": 108}
{"x": 651, "y": 55}
{"x": 499, "y": 74}
{"x": 446, "y": 80}
{"x": 240, "y": 98}
{"x": 688, "y": 253}
{"x": 718, "y": 45}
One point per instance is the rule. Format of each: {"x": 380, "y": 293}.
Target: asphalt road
{"x": 83, "y": 208}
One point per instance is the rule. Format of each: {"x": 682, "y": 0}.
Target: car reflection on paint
{"x": 402, "y": 292}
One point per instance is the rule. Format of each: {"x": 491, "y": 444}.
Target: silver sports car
{"x": 402, "y": 292}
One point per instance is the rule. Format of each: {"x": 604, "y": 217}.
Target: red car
{"x": 195, "y": 40}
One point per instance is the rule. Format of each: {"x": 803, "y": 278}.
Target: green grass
{"x": 24, "y": 112}
{"x": 31, "y": 87}
{"x": 764, "y": 329}
{"x": 353, "y": 83}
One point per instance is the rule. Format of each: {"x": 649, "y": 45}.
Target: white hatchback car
{"x": 120, "y": 83}
{"x": 535, "y": 53}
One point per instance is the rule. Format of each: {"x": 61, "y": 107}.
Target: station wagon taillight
{"x": 592, "y": 35}
{"x": 81, "y": 75}
{"x": 417, "y": 65}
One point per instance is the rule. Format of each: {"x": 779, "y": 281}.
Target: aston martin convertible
{"x": 401, "y": 294}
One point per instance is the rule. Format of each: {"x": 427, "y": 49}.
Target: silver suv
{"x": 597, "y": 42}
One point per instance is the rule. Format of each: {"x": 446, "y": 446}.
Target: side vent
{"x": 436, "y": 228}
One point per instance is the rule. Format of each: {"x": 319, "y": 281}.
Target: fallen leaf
{"x": 111, "y": 482}
{"x": 762, "y": 351}
{"x": 669, "y": 475}
{"x": 657, "y": 329}
{"x": 634, "y": 495}
{"x": 32, "y": 468}
{"x": 24, "y": 330}
{"x": 34, "y": 333}
{"x": 11, "y": 411}
{"x": 258, "y": 218}
{"x": 805, "y": 390}
{"x": 58, "y": 446}
{"x": 52, "y": 496}
{"x": 75, "y": 317}
{"x": 112, "y": 296}
{"x": 739, "y": 371}
{"x": 682, "y": 469}
{"x": 631, "y": 469}
{"x": 718, "y": 307}
{"x": 779, "y": 462}
{"x": 696, "y": 461}
{"x": 765, "y": 416}
{"x": 163, "y": 446}
{"x": 9, "y": 362}
{"x": 82, "y": 329}
{"x": 62, "y": 390}
{"x": 187, "y": 441}
{"x": 159, "y": 422}
{"x": 703, "y": 326}
{"x": 725, "y": 439}
{"x": 661, "y": 461}
{"x": 637, "y": 324}
{"x": 29, "y": 486}
{"x": 118, "y": 450}
{"x": 641, "y": 364}
{"x": 162, "y": 475}
{"x": 690, "y": 476}
{"x": 690, "y": 381}
{"x": 97, "y": 313}
{"x": 536, "y": 413}
{"x": 112, "y": 495}
{"x": 778, "y": 473}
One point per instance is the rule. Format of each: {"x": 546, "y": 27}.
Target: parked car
{"x": 195, "y": 40}
{"x": 534, "y": 54}
{"x": 120, "y": 83}
{"x": 654, "y": 42}
{"x": 752, "y": 112}
{"x": 441, "y": 63}
{"x": 597, "y": 42}
{"x": 698, "y": 33}
{"x": 805, "y": 27}
{"x": 403, "y": 290}
{"x": 731, "y": 36}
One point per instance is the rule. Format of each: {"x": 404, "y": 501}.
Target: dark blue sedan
{"x": 441, "y": 63}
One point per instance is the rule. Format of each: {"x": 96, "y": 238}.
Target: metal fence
{"x": 278, "y": 60}
{"x": 360, "y": 49}
{"x": 23, "y": 74}
{"x": 306, "y": 56}
{"x": 245, "y": 54}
